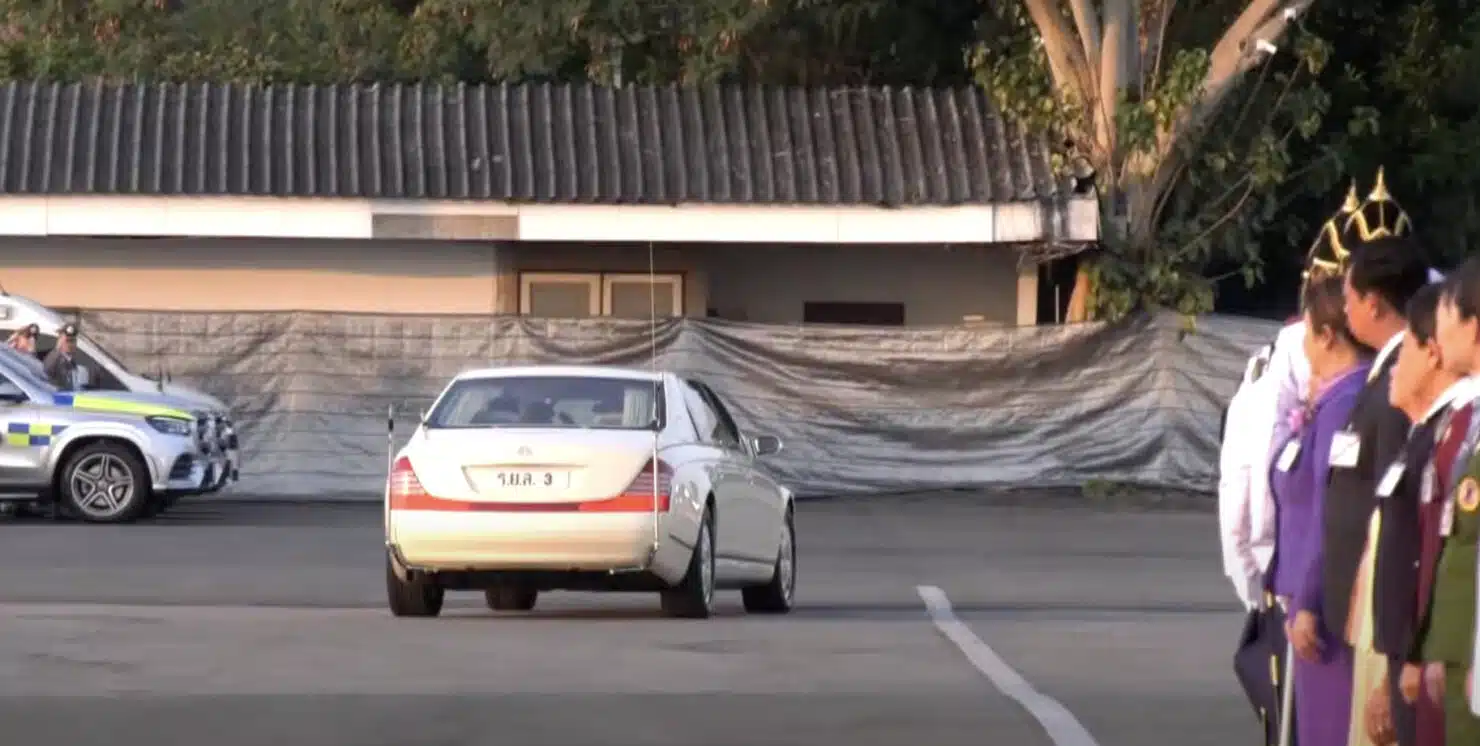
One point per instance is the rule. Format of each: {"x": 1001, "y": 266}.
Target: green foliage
{"x": 1140, "y": 118}
{"x": 1170, "y": 241}
{"x": 606, "y": 41}
{"x": 1360, "y": 85}
{"x": 764, "y": 41}
{"x": 1010, "y": 64}
{"x": 1230, "y": 194}
{"x": 1403, "y": 96}
{"x": 226, "y": 40}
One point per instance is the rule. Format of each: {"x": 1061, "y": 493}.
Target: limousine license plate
{"x": 523, "y": 479}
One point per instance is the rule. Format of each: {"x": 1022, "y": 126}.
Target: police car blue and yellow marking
{"x": 36, "y": 435}
{"x": 27, "y": 435}
{"x": 108, "y": 405}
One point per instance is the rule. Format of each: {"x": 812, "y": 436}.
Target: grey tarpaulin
{"x": 860, "y": 409}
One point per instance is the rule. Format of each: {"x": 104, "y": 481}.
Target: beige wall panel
{"x": 253, "y": 275}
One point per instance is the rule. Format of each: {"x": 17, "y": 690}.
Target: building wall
{"x": 937, "y": 285}
{"x": 253, "y": 274}
{"x": 751, "y": 282}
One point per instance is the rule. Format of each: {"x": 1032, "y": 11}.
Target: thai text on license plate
{"x": 532, "y": 479}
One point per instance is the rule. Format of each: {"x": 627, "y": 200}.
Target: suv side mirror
{"x": 11, "y": 393}
{"x": 765, "y": 445}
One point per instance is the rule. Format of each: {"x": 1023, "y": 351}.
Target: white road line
{"x": 1060, "y": 724}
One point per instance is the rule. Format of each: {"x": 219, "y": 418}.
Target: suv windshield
{"x": 26, "y": 367}
{"x": 551, "y": 402}
{"x": 98, "y": 362}
{"x": 100, "y": 354}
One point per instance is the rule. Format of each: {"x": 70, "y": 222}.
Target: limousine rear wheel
{"x": 418, "y": 595}
{"x": 775, "y": 597}
{"x": 693, "y": 597}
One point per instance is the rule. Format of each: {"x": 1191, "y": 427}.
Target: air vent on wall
{"x": 446, "y": 227}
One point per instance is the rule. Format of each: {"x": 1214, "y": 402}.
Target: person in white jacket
{"x": 1275, "y": 382}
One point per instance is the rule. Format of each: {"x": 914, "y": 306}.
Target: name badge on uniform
{"x": 1288, "y": 455}
{"x": 1426, "y": 492}
{"x": 1345, "y": 447}
{"x": 1390, "y": 480}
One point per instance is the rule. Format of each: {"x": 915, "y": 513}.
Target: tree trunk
{"x": 1081, "y": 300}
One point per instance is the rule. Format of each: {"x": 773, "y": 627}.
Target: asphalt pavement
{"x": 249, "y": 623}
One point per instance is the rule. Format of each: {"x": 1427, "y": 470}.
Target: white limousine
{"x": 536, "y": 478}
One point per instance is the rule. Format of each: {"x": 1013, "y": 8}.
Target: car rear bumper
{"x": 434, "y": 540}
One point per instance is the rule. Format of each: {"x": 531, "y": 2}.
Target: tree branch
{"x": 1065, "y": 56}
{"x": 1253, "y": 97}
{"x": 1133, "y": 60}
{"x": 1171, "y": 183}
{"x": 1155, "y": 45}
{"x": 1248, "y": 190}
{"x": 1087, "y": 20}
{"x": 1235, "y": 53}
{"x": 1113, "y": 51}
{"x": 1227, "y": 216}
{"x": 1232, "y": 57}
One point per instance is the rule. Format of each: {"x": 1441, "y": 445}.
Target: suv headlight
{"x": 170, "y": 425}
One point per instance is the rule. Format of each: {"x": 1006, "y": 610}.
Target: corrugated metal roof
{"x": 544, "y": 143}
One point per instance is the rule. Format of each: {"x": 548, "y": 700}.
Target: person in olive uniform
{"x": 1446, "y": 642}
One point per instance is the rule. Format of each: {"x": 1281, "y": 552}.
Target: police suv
{"x": 223, "y": 456}
{"x": 101, "y": 457}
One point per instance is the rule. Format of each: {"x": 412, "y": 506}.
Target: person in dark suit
{"x": 1367, "y": 548}
{"x": 1438, "y": 400}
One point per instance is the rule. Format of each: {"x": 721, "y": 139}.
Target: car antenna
{"x": 390, "y": 467}
{"x": 390, "y": 450}
{"x": 657, "y": 388}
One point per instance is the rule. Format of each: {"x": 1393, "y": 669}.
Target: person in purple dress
{"x": 1323, "y": 667}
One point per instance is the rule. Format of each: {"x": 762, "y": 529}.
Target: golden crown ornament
{"x": 1356, "y": 223}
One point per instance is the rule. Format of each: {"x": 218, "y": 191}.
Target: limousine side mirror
{"x": 766, "y": 445}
